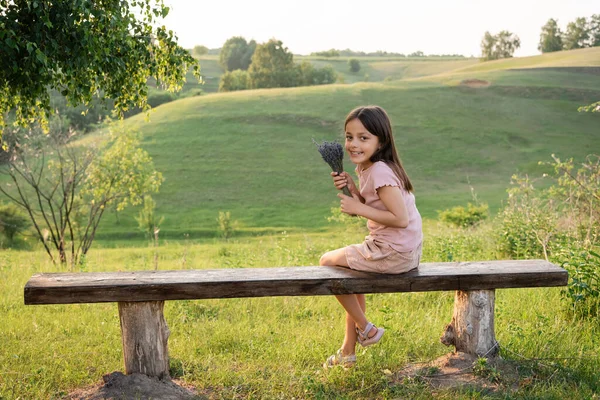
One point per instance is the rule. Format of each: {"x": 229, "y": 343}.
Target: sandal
{"x": 363, "y": 337}
{"x": 339, "y": 359}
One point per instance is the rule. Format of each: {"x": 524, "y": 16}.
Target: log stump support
{"x": 145, "y": 335}
{"x": 471, "y": 330}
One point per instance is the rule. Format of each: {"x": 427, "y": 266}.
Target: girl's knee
{"x": 325, "y": 259}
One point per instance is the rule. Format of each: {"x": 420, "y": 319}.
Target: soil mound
{"x": 118, "y": 386}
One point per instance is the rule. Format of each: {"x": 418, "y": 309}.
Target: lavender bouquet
{"x": 333, "y": 154}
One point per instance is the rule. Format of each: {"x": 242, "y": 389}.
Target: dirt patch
{"x": 457, "y": 370}
{"x": 475, "y": 83}
{"x": 118, "y": 386}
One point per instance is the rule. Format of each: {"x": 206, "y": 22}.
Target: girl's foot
{"x": 370, "y": 335}
{"x": 341, "y": 360}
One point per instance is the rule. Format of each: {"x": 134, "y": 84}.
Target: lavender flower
{"x": 333, "y": 154}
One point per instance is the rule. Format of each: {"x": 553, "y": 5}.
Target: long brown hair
{"x": 377, "y": 122}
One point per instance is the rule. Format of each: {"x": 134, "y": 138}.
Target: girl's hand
{"x": 350, "y": 205}
{"x": 344, "y": 179}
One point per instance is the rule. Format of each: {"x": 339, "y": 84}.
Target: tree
{"x": 576, "y": 36}
{"x": 354, "y": 65}
{"x": 85, "y": 48}
{"x": 272, "y": 66}
{"x": 594, "y": 30}
{"x": 502, "y": 45}
{"x": 551, "y": 37}
{"x": 198, "y": 51}
{"x": 65, "y": 187}
{"x": 236, "y": 53}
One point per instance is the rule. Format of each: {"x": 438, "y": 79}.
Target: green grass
{"x": 251, "y": 152}
{"x": 274, "y": 347}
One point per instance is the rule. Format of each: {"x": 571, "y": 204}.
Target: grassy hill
{"x": 251, "y": 152}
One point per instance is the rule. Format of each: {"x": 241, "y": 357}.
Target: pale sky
{"x": 431, "y": 26}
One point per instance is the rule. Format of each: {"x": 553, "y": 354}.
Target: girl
{"x": 385, "y": 199}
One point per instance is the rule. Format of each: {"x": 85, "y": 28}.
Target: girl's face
{"x": 360, "y": 143}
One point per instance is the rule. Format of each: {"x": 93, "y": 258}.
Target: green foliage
{"x": 199, "y": 50}
{"x": 562, "y": 223}
{"x": 272, "y": 66}
{"x": 13, "y": 221}
{"x": 83, "y": 49}
{"x": 123, "y": 173}
{"x": 594, "y": 30}
{"x": 156, "y": 98}
{"x": 236, "y": 53}
{"x": 147, "y": 220}
{"x": 227, "y": 226}
{"x": 527, "y": 224}
{"x": 551, "y": 37}
{"x": 502, "y": 45}
{"x": 463, "y": 217}
{"x": 234, "y": 80}
{"x": 576, "y": 35}
{"x": 483, "y": 369}
{"x": 594, "y": 107}
{"x": 583, "y": 291}
{"x": 354, "y": 65}
{"x": 327, "y": 53}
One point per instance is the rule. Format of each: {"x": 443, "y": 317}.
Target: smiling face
{"x": 360, "y": 143}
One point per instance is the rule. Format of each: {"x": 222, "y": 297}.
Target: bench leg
{"x": 472, "y": 328}
{"x": 145, "y": 335}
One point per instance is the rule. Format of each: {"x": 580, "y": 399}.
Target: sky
{"x": 430, "y": 26}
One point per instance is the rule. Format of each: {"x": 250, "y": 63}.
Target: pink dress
{"x": 386, "y": 249}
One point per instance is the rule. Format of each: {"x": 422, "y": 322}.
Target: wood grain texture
{"x": 145, "y": 338}
{"x": 98, "y": 287}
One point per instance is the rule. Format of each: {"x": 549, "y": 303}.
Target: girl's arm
{"x": 391, "y": 196}
{"x": 344, "y": 179}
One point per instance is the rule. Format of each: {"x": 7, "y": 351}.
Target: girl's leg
{"x": 354, "y": 304}
{"x": 350, "y": 337}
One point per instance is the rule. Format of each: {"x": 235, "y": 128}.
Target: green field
{"x": 273, "y": 348}
{"x": 251, "y": 153}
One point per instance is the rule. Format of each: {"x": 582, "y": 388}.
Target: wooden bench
{"x": 141, "y": 295}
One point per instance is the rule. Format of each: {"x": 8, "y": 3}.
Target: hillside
{"x": 251, "y": 152}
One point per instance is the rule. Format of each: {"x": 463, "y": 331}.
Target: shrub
{"x": 354, "y": 65}
{"x": 12, "y": 221}
{"x": 156, "y": 98}
{"x": 527, "y": 223}
{"x": 234, "y": 80}
{"x": 562, "y": 223}
{"x": 465, "y": 217}
{"x": 227, "y": 227}
{"x": 583, "y": 290}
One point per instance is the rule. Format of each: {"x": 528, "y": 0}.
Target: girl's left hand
{"x": 350, "y": 205}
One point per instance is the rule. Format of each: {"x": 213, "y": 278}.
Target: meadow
{"x": 274, "y": 347}
{"x": 251, "y": 153}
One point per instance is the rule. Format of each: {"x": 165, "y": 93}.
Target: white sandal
{"x": 339, "y": 359}
{"x": 363, "y": 337}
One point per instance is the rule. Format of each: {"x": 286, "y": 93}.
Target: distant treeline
{"x": 378, "y": 53}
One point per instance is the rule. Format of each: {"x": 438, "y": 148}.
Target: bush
{"x": 156, "y": 98}
{"x": 562, "y": 223}
{"x": 227, "y": 227}
{"x": 354, "y": 65}
{"x": 234, "y": 80}
{"x": 12, "y": 221}
{"x": 325, "y": 75}
{"x": 583, "y": 290}
{"x": 465, "y": 217}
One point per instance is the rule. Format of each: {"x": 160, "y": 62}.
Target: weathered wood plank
{"x": 67, "y": 288}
